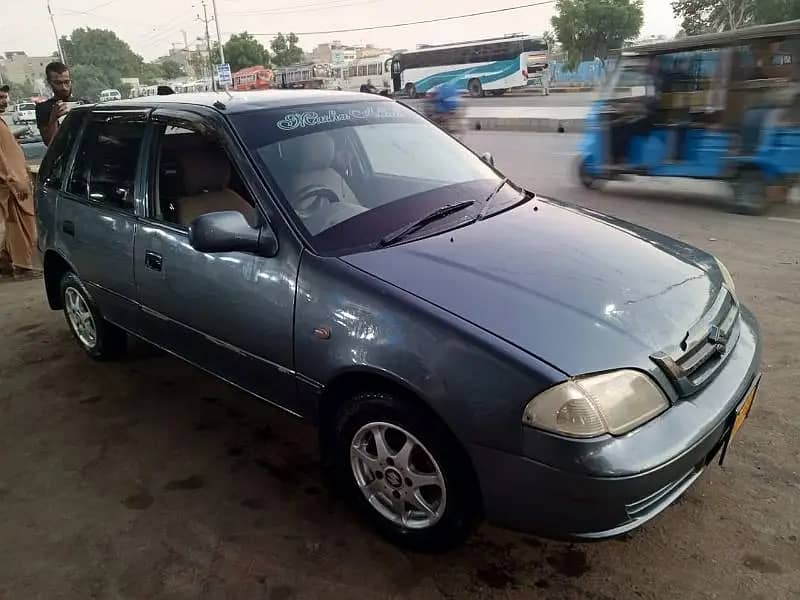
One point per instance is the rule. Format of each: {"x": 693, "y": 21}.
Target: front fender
{"x": 477, "y": 383}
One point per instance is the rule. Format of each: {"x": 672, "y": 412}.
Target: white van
{"x": 109, "y": 95}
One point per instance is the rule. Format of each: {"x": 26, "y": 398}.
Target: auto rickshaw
{"x": 722, "y": 106}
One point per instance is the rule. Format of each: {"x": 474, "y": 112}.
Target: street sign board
{"x": 224, "y": 74}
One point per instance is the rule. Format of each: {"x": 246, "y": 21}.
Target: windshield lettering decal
{"x": 309, "y": 118}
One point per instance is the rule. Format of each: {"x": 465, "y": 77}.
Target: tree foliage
{"x": 704, "y": 16}
{"x": 98, "y": 59}
{"x": 102, "y": 48}
{"x": 171, "y": 69}
{"x": 285, "y": 50}
{"x": 243, "y": 50}
{"x": 591, "y": 28}
{"x": 88, "y": 81}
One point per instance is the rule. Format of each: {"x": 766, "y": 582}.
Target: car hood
{"x": 579, "y": 290}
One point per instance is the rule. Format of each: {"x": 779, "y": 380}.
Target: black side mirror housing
{"x": 488, "y": 158}
{"x": 229, "y": 231}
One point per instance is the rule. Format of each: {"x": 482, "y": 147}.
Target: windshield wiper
{"x": 488, "y": 201}
{"x": 442, "y": 211}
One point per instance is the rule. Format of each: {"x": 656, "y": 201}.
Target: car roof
{"x": 233, "y": 102}
{"x": 713, "y": 40}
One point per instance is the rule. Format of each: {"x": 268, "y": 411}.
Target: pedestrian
{"x": 546, "y": 79}
{"x": 49, "y": 113}
{"x": 18, "y": 234}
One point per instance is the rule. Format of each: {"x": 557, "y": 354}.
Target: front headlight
{"x": 727, "y": 278}
{"x": 585, "y": 407}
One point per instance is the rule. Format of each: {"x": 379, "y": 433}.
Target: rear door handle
{"x": 68, "y": 227}
{"x": 153, "y": 261}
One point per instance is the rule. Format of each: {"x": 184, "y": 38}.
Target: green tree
{"x": 150, "y": 73}
{"x": 704, "y": 16}
{"x": 591, "y": 28}
{"x": 23, "y": 91}
{"x": 88, "y": 81}
{"x": 243, "y": 50}
{"x": 285, "y": 50}
{"x": 172, "y": 69}
{"x": 102, "y": 48}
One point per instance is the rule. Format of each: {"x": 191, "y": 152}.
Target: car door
{"x": 96, "y": 218}
{"x": 229, "y": 313}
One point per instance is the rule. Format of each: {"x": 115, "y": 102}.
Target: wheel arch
{"x": 344, "y": 385}
{"x": 55, "y": 265}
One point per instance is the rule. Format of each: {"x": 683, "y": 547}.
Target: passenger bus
{"x": 492, "y": 65}
{"x": 252, "y": 78}
{"x": 353, "y": 74}
{"x": 310, "y": 75}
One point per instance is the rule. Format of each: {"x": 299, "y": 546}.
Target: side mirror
{"x": 488, "y": 158}
{"x": 229, "y": 231}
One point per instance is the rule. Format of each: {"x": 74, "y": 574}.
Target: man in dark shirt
{"x": 49, "y": 112}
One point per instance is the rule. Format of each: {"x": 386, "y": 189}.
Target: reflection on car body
{"x": 551, "y": 368}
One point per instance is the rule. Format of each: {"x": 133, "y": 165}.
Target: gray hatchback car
{"x": 466, "y": 348}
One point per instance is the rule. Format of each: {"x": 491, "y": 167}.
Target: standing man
{"x": 17, "y": 222}
{"x": 49, "y": 112}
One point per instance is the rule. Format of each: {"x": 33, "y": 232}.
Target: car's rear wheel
{"x": 411, "y": 90}
{"x": 404, "y": 472}
{"x": 99, "y": 339}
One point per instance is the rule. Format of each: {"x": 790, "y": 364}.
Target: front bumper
{"x": 602, "y": 488}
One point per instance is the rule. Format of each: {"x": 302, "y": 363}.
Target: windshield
{"x": 28, "y": 106}
{"x": 351, "y": 173}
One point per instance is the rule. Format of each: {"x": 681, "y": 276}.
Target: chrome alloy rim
{"x": 80, "y": 317}
{"x": 398, "y": 475}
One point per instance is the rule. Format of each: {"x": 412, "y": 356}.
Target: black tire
{"x": 411, "y": 90}
{"x": 475, "y": 88}
{"x": 589, "y": 181}
{"x": 462, "y": 497}
{"x": 109, "y": 341}
{"x": 750, "y": 193}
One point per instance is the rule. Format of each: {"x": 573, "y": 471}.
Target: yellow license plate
{"x": 744, "y": 408}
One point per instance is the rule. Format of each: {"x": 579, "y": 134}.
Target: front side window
{"x": 351, "y": 173}
{"x": 105, "y": 165}
{"x": 195, "y": 177}
{"x": 51, "y": 171}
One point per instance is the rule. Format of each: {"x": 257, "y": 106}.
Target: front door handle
{"x": 152, "y": 260}
{"x": 68, "y": 227}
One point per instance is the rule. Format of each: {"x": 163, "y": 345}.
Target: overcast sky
{"x": 151, "y": 27}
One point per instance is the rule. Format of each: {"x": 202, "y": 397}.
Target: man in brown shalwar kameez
{"x": 18, "y": 254}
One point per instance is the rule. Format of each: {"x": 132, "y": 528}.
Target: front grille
{"x": 704, "y": 349}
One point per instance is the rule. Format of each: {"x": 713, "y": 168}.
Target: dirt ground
{"x": 145, "y": 478}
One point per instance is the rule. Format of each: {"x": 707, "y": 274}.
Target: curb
{"x": 522, "y": 124}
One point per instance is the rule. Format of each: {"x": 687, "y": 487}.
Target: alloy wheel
{"x": 398, "y": 475}
{"x": 80, "y": 317}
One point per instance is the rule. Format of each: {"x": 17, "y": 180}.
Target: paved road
{"x": 145, "y": 478}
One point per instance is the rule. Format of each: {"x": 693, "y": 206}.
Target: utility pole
{"x": 58, "y": 40}
{"x": 205, "y": 20}
{"x": 219, "y": 36}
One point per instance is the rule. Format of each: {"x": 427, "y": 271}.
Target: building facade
{"x": 17, "y": 67}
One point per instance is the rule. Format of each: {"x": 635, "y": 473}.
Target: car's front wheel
{"x": 100, "y": 339}
{"x": 404, "y": 472}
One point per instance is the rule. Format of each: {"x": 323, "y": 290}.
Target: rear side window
{"x": 105, "y": 166}
{"x": 51, "y": 171}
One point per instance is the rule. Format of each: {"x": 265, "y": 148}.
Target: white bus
{"x": 307, "y": 75}
{"x": 353, "y": 74}
{"x": 492, "y": 65}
